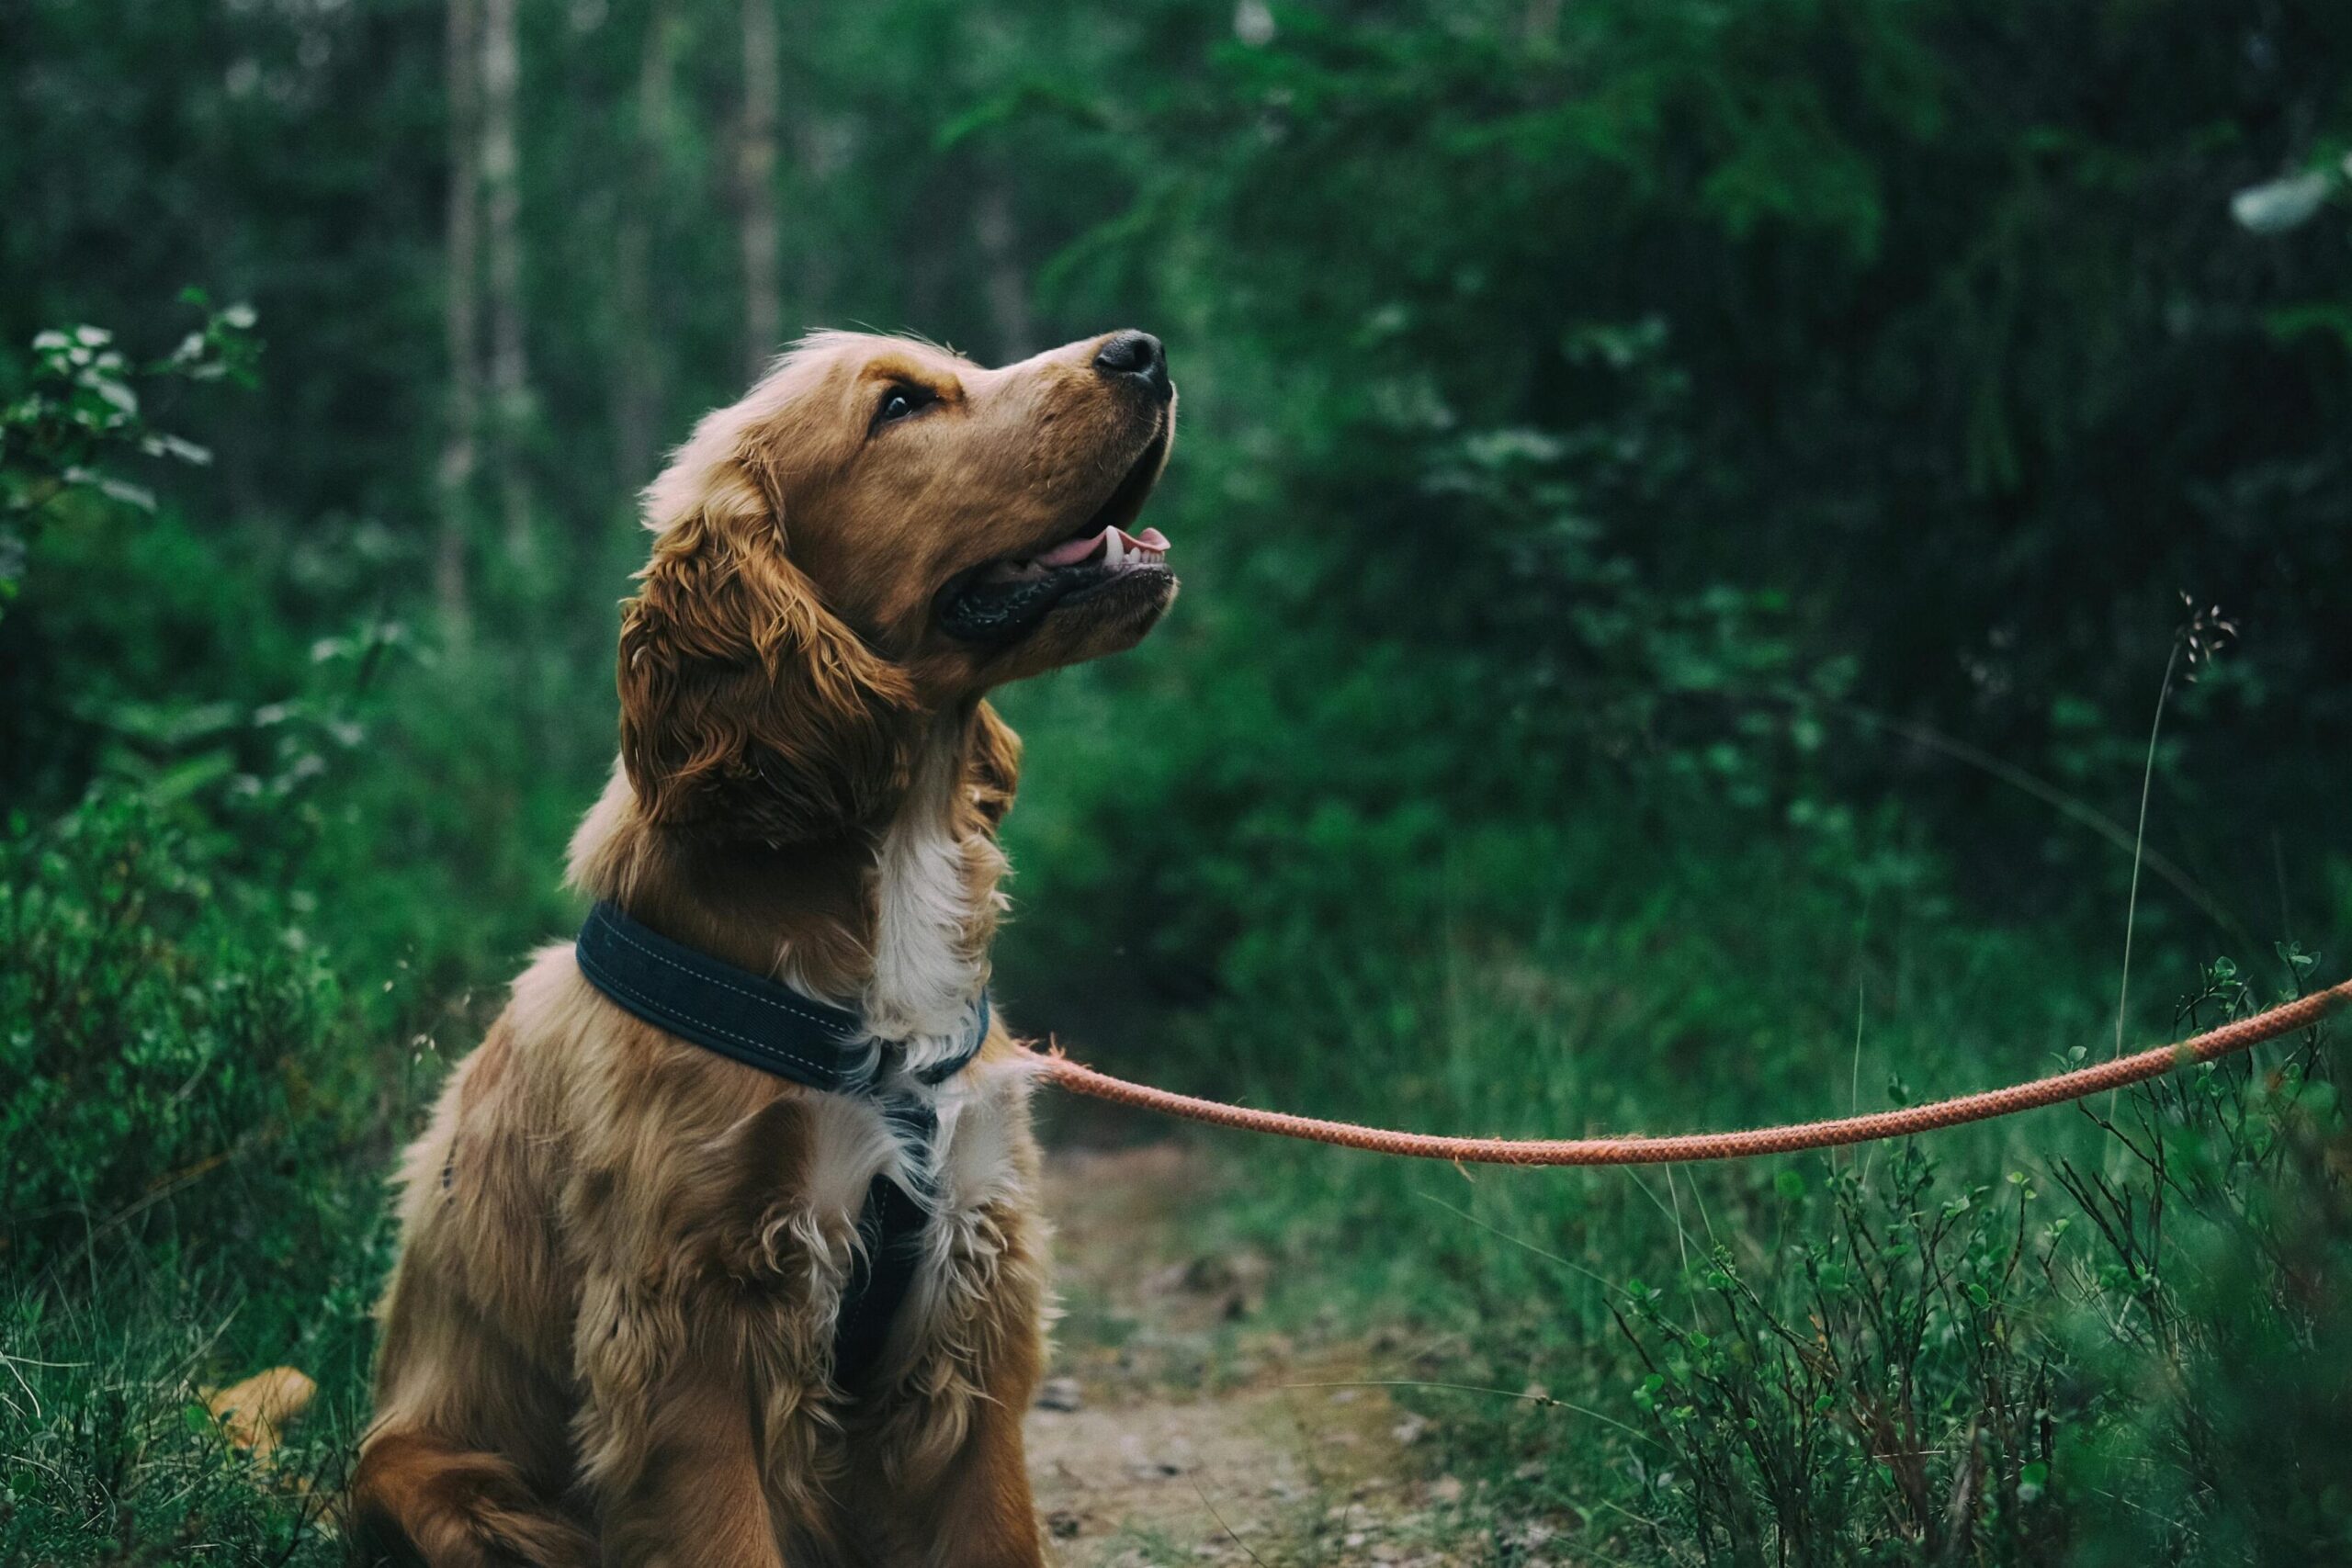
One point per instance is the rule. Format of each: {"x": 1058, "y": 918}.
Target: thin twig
{"x": 1202, "y": 1493}
{"x": 1518, "y": 1241}
{"x": 2140, "y": 841}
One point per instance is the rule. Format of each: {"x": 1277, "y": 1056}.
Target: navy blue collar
{"x": 746, "y": 1017}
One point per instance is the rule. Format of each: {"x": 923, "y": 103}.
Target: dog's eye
{"x": 900, "y": 401}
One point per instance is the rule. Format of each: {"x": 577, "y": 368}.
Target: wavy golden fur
{"x": 608, "y": 1336}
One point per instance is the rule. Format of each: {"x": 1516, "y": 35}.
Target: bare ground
{"x": 1175, "y": 1429}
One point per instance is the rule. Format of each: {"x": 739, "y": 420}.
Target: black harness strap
{"x": 755, "y": 1021}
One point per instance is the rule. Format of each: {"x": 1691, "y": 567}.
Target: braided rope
{"x": 1662, "y": 1149}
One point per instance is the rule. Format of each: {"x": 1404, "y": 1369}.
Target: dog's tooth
{"x": 1115, "y": 550}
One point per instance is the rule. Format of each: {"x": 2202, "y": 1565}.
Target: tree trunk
{"x": 755, "y": 174}
{"x": 502, "y": 207}
{"x": 1008, "y": 290}
{"x": 636, "y": 393}
{"x": 460, "y": 330}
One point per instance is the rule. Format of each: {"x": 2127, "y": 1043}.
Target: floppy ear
{"x": 992, "y": 765}
{"x": 747, "y": 709}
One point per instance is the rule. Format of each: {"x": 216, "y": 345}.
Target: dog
{"x": 613, "y": 1332}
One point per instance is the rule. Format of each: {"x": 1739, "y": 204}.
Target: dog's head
{"x": 879, "y": 533}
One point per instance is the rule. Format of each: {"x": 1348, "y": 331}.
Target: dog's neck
{"x": 893, "y": 920}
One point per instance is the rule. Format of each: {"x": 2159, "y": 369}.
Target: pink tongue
{"x": 1077, "y": 551}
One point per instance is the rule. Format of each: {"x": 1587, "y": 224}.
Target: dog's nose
{"x": 1138, "y": 355}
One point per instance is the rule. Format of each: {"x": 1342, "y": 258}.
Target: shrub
{"x": 2155, "y": 1372}
{"x": 167, "y": 1041}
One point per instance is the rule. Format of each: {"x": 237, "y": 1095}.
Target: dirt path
{"x": 1175, "y": 1430}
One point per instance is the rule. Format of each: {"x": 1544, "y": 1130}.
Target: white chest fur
{"x": 982, "y": 1115}
{"x": 934, "y": 903}
{"x": 934, "y": 892}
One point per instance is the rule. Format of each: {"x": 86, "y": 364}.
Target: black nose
{"x": 1134, "y": 354}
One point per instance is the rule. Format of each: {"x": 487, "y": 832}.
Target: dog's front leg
{"x": 694, "y": 1498}
{"x": 980, "y": 1513}
{"x": 668, "y": 1442}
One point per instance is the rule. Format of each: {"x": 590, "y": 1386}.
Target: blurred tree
{"x": 460, "y": 329}
{"x": 510, "y": 378}
{"x": 755, "y": 170}
{"x": 637, "y": 368}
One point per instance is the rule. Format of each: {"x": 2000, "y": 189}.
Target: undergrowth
{"x": 2115, "y": 1334}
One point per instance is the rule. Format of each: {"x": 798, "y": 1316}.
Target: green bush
{"x": 177, "y": 1081}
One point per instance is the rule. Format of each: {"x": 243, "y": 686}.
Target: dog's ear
{"x": 992, "y": 765}
{"x": 748, "y": 710}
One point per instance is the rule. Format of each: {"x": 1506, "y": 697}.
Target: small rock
{"x": 1446, "y": 1489}
{"x": 1237, "y": 1281}
{"x": 1061, "y": 1394}
{"x": 1166, "y": 1281}
{"x": 1411, "y": 1429}
{"x": 1146, "y": 1466}
{"x": 1064, "y": 1524}
{"x": 1530, "y": 1470}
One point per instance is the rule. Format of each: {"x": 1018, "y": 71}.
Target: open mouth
{"x": 1003, "y": 600}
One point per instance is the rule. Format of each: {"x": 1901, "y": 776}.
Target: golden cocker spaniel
{"x": 615, "y": 1333}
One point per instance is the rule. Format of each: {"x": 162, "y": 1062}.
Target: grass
{"x": 112, "y": 1456}
{"x": 2047, "y": 1340}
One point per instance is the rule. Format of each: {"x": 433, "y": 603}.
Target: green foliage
{"x": 80, "y": 408}
{"x": 1893, "y": 1355}
{"x": 2210, "y": 1292}
{"x": 1880, "y": 1403}
{"x": 1974, "y": 1377}
{"x": 173, "y": 1075}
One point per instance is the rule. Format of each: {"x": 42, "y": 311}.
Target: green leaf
{"x": 126, "y": 493}
{"x": 160, "y": 444}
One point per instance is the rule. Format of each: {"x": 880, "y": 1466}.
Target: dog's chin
{"x": 1093, "y": 621}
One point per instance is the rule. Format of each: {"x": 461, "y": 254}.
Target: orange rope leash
{"x": 1654, "y": 1149}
